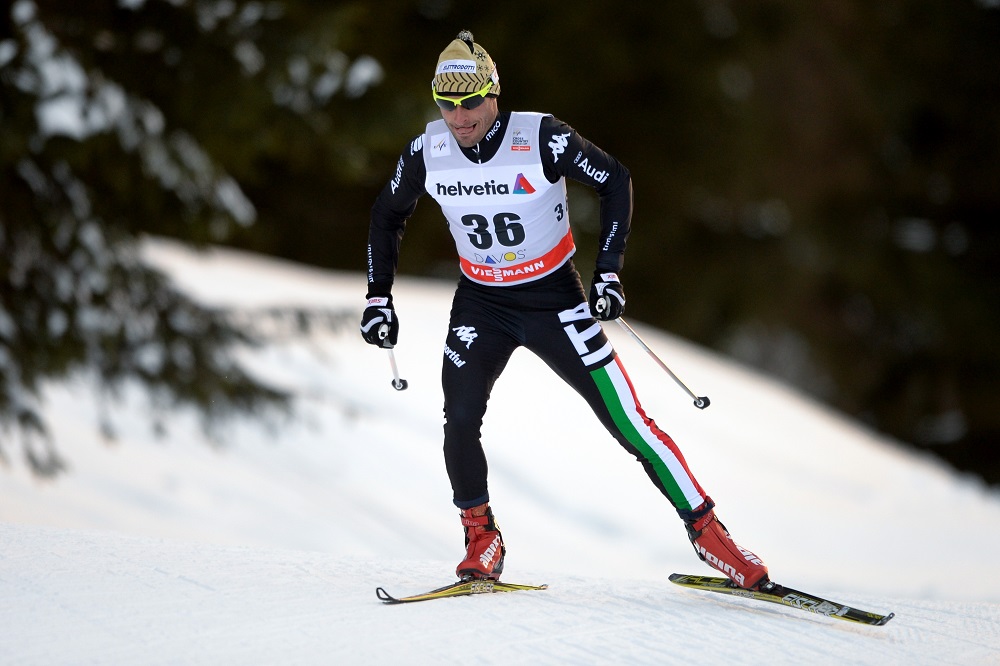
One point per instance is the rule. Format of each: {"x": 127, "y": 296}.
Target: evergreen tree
{"x": 126, "y": 118}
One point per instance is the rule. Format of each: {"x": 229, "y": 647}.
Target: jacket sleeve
{"x": 393, "y": 207}
{"x": 565, "y": 153}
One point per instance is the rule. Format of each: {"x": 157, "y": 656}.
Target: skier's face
{"x": 470, "y": 126}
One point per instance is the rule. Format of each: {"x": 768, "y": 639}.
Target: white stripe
{"x": 662, "y": 451}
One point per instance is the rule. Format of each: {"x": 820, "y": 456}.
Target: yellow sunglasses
{"x": 469, "y": 102}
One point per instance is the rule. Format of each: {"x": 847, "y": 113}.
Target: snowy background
{"x": 267, "y": 548}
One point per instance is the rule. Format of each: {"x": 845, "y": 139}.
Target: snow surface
{"x": 267, "y": 548}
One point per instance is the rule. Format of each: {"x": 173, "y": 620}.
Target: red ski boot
{"x": 714, "y": 545}
{"x": 484, "y": 545}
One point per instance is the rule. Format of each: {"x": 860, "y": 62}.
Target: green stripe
{"x": 618, "y": 414}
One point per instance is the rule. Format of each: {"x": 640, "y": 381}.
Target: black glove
{"x": 607, "y": 296}
{"x": 379, "y": 325}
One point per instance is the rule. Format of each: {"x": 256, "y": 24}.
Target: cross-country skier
{"x": 499, "y": 178}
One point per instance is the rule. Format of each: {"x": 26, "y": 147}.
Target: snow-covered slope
{"x": 74, "y": 597}
{"x": 268, "y": 549}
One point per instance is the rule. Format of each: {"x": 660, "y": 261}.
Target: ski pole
{"x": 397, "y": 383}
{"x": 700, "y": 402}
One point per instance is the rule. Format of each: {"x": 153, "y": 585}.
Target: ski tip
{"x": 385, "y": 597}
{"x": 501, "y": 586}
{"x": 885, "y": 619}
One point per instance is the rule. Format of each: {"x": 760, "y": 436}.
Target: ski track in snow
{"x": 269, "y": 552}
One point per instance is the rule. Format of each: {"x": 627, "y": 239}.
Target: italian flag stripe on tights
{"x": 642, "y": 433}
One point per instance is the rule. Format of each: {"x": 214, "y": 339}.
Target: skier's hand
{"x": 607, "y": 296}
{"x": 379, "y": 325}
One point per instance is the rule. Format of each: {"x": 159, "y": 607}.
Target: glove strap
{"x": 378, "y": 301}
{"x": 609, "y": 277}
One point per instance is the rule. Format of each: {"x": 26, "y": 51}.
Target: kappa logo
{"x": 558, "y": 145}
{"x": 466, "y": 334}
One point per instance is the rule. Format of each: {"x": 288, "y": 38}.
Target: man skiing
{"x": 499, "y": 178}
